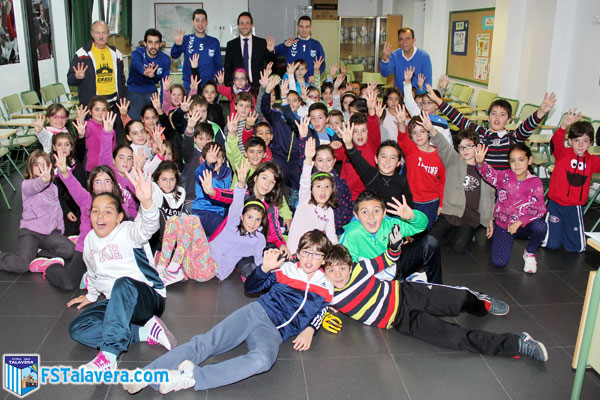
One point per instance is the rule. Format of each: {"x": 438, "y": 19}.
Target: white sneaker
{"x": 530, "y": 263}
{"x": 100, "y": 363}
{"x": 134, "y": 387}
{"x": 158, "y": 333}
{"x": 182, "y": 378}
{"x": 170, "y": 278}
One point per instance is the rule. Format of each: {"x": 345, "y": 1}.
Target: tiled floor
{"x": 359, "y": 363}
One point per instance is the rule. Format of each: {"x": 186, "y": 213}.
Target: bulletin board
{"x": 470, "y": 34}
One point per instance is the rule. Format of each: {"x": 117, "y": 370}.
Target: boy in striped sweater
{"x": 496, "y": 137}
{"x": 415, "y": 308}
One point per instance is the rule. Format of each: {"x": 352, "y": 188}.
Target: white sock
{"x": 143, "y": 333}
{"x": 111, "y": 357}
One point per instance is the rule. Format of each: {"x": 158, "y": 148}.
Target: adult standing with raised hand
{"x": 148, "y": 66}
{"x": 303, "y": 47}
{"x": 407, "y": 55}
{"x": 97, "y": 69}
{"x": 207, "y": 47}
{"x": 248, "y": 52}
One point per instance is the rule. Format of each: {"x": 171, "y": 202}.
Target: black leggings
{"x": 69, "y": 276}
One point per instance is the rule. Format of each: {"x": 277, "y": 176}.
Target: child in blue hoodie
{"x": 297, "y": 299}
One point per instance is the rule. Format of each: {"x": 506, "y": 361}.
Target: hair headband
{"x": 255, "y": 202}
{"x": 318, "y": 174}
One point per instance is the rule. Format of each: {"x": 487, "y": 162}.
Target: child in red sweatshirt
{"x": 425, "y": 171}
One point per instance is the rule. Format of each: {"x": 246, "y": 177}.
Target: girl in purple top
{"x": 520, "y": 206}
{"x": 41, "y": 222}
{"x": 245, "y": 225}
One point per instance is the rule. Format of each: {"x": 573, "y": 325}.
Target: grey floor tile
{"x": 33, "y": 298}
{"x": 462, "y": 376}
{"x": 528, "y": 379}
{"x": 483, "y": 283}
{"x": 232, "y": 297}
{"x": 540, "y": 288}
{"x": 337, "y": 378}
{"x": 561, "y": 321}
{"x": 71, "y": 392}
{"x": 58, "y": 346}
{"x": 23, "y": 335}
{"x": 284, "y": 380}
{"x": 8, "y": 276}
{"x": 192, "y": 298}
{"x": 402, "y": 344}
{"x": 3, "y": 287}
{"x": 577, "y": 280}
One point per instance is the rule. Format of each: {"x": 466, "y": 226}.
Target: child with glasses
{"x": 468, "y": 199}
{"x": 240, "y": 85}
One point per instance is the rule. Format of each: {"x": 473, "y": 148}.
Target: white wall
{"x": 17, "y": 73}
{"x": 357, "y": 8}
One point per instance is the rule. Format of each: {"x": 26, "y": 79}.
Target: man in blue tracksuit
{"x": 148, "y": 66}
{"x": 207, "y": 47}
{"x": 302, "y": 47}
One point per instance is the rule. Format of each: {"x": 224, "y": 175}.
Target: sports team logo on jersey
{"x": 313, "y": 53}
{"x": 211, "y": 52}
{"x": 20, "y": 374}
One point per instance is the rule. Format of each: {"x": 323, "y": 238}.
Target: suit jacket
{"x": 260, "y": 58}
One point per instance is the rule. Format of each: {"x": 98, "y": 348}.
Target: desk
{"x": 21, "y": 122}
{"x": 4, "y": 133}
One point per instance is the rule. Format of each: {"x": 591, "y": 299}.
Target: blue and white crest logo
{"x": 211, "y": 52}
{"x": 313, "y": 53}
{"x": 20, "y": 373}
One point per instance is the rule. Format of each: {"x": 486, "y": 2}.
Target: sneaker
{"x": 40, "y": 264}
{"x": 83, "y": 283}
{"x": 170, "y": 278}
{"x": 100, "y": 363}
{"x": 158, "y": 333}
{"x": 182, "y": 378}
{"x": 74, "y": 239}
{"x": 493, "y": 306}
{"x": 530, "y": 263}
{"x": 417, "y": 277}
{"x": 532, "y": 348}
{"x": 134, "y": 387}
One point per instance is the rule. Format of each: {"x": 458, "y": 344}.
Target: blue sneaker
{"x": 532, "y": 348}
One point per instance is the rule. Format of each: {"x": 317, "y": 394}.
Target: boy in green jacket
{"x": 366, "y": 237}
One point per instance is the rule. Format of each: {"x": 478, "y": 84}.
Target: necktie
{"x": 245, "y": 55}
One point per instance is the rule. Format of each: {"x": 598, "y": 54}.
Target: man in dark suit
{"x": 248, "y": 51}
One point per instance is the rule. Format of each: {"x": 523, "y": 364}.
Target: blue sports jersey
{"x": 209, "y": 63}
{"x": 307, "y": 50}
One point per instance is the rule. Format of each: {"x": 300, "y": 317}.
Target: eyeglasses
{"x": 315, "y": 256}
{"x": 60, "y": 117}
{"x": 426, "y": 103}
{"x": 240, "y": 78}
{"x": 467, "y": 147}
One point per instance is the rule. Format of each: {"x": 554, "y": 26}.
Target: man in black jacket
{"x": 248, "y": 52}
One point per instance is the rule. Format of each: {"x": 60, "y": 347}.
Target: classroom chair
{"x": 31, "y": 100}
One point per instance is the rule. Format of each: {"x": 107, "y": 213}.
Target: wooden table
{"x": 4, "y": 133}
{"x": 21, "y": 122}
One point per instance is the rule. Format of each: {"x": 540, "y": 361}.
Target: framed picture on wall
{"x": 9, "y": 49}
{"x": 43, "y": 29}
{"x": 169, "y": 17}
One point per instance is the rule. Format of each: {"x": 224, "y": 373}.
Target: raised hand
{"x": 155, "y": 100}
{"x": 270, "y": 43}
{"x": 207, "y": 184}
{"x": 291, "y": 69}
{"x": 303, "y": 126}
{"x": 431, "y": 94}
{"x": 194, "y": 60}
{"x": 123, "y": 106}
{"x": 186, "y": 103}
{"x": 150, "y": 70}
{"x": 46, "y": 172}
{"x": 178, "y": 37}
{"x": 166, "y": 82}
{"x": 480, "y": 153}
{"x": 338, "y": 82}
{"x": 271, "y": 260}
{"x": 387, "y": 51}
{"x": 233, "y": 121}
{"x": 317, "y": 62}
{"x": 82, "y": 111}
{"x": 400, "y": 209}
{"x": 333, "y": 69}
{"x": 347, "y": 132}
{"x": 251, "y": 119}
{"x": 60, "y": 161}
{"x": 80, "y": 70}
{"x": 242, "y": 170}
{"x": 395, "y": 238}
{"x": 571, "y": 117}
{"x": 269, "y": 68}
{"x": 139, "y": 158}
{"x": 304, "y": 92}
{"x": 443, "y": 83}
{"x": 421, "y": 80}
{"x": 408, "y": 74}
{"x": 274, "y": 81}
{"x": 193, "y": 118}
{"x": 39, "y": 123}
{"x": 380, "y": 108}
{"x": 157, "y": 133}
{"x": 142, "y": 185}
{"x": 285, "y": 88}
{"x": 108, "y": 121}
{"x": 264, "y": 78}
{"x": 212, "y": 154}
{"x": 426, "y": 122}
{"x": 220, "y": 76}
{"x": 194, "y": 82}
{"x": 547, "y": 103}
{"x": 400, "y": 115}
{"x": 80, "y": 125}
{"x": 309, "y": 150}
{"x": 290, "y": 41}
{"x": 371, "y": 97}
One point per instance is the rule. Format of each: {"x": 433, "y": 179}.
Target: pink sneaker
{"x": 40, "y": 264}
{"x": 74, "y": 239}
{"x": 159, "y": 334}
{"x": 100, "y": 363}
